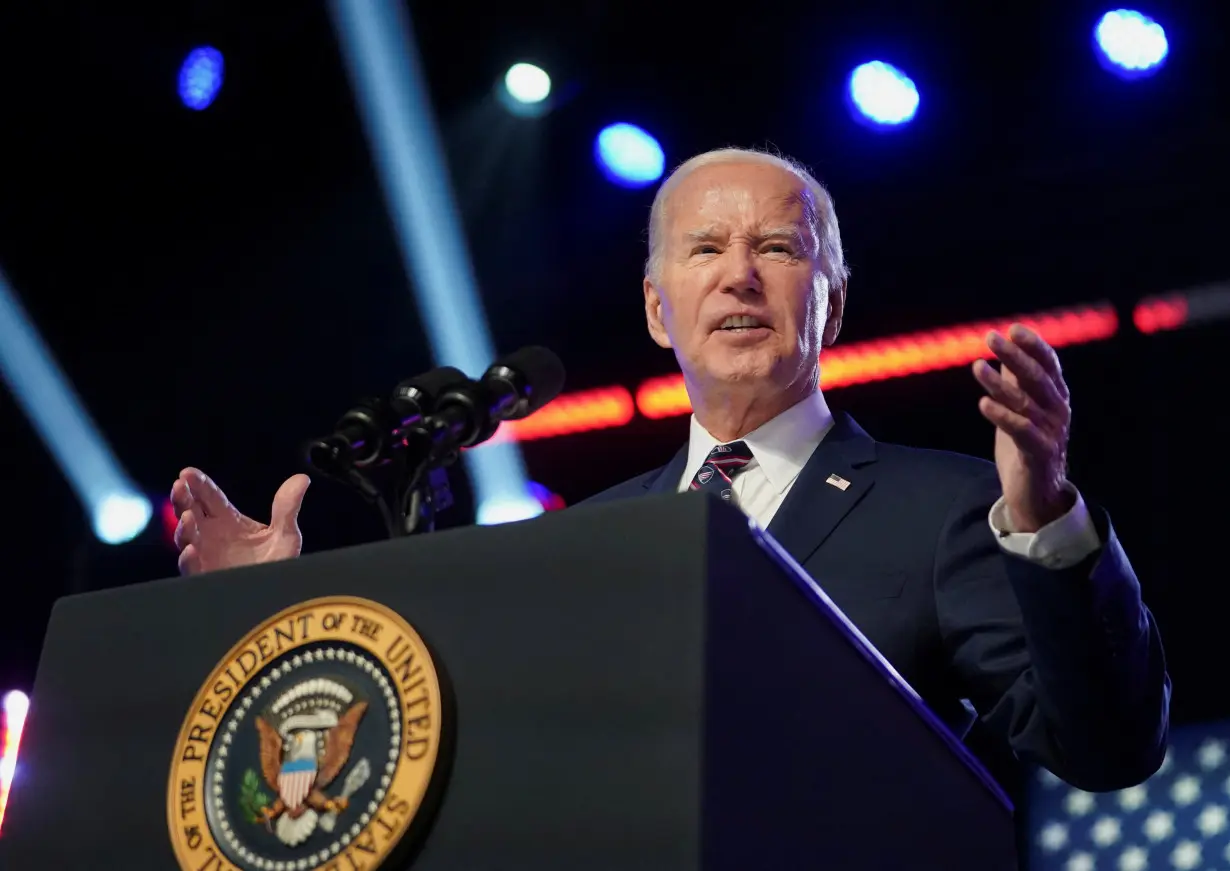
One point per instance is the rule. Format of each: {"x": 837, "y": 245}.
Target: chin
{"x": 747, "y": 365}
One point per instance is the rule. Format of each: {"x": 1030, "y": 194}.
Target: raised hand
{"x": 213, "y": 535}
{"x": 1028, "y": 401}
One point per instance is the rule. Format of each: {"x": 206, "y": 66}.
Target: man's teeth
{"x": 736, "y": 321}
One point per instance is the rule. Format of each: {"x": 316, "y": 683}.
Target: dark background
{"x": 219, "y": 285}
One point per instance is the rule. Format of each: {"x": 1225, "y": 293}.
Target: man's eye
{"x": 705, "y": 249}
{"x": 779, "y": 248}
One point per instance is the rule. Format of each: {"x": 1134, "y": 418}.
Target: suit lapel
{"x": 814, "y": 507}
{"x": 817, "y": 503}
{"x": 667, "y": 478}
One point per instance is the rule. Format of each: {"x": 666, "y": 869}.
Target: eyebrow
{"x": 703, "y": 234}
{"x": 788, "y": 231}
{"x": 713, "y": 232}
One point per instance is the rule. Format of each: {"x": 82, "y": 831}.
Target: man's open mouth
{"x": 741, "y": 324}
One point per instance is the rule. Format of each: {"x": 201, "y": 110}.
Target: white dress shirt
{"x": 781, "y": 447}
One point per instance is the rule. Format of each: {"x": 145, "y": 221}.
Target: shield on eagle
{"x": 306, "y": 738}
{"x": 295, "y": 781}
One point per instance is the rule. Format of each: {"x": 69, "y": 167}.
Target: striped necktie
{"x": 720, "y": 468}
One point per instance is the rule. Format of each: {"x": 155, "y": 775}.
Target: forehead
{"x": 736, "y": 195}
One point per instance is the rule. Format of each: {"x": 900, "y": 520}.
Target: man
{"x": 992, "y": 584}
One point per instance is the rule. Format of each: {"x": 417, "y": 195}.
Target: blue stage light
{"x": 629, "y": 156}
{"x": 200, "y": 77}
{"x": 1130, "y": 44}
{"x": 882, "y": 94}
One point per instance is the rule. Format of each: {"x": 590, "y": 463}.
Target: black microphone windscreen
{"x": 417, "y": 396}
{"x": 437, "y": 380}
{"x": 542, "y": 370}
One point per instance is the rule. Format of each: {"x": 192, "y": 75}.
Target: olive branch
{"x": 251, "y": 797}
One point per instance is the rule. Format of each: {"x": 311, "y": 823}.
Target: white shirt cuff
{"x": 1060, "y": 544}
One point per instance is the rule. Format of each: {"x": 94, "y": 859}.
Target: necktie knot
{"x": 720, "y": 468}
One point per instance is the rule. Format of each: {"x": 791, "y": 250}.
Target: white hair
{"x": 821, "y": 214}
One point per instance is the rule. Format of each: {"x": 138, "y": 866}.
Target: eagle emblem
{"x": 306, "y": 737}
{"x": 313, "y": 744}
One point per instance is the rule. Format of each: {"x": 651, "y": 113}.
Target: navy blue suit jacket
{"x": 1066, "y": 666}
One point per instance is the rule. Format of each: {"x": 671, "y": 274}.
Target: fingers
{"x": 1043, "y": 386}
{"x": 181, "y": 497}
{"x": 1005, "y": 390}
{"x": 1024, "y": 432}
{"x": 1041, "y": 353}
{"x": 1038, "y": 348}
{"x": 287, "y": 502}
{"x": 1002, "y": 389}
{"x": 186, "y": 530}
{"x": 189, "y": 561}
{"x": 212, "y": 502}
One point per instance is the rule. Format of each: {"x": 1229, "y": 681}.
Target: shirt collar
{"x": 781, "y": 446}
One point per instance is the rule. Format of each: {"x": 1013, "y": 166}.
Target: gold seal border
{"x": 413, "y": 781}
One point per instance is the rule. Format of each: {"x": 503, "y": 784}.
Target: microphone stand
{"x": 421, "y": 430}
{"x": 420, "y": 486}
{"x": 419, "y": 505}
{"x": 329, "y": 458}
{"x": 420, "y": 480}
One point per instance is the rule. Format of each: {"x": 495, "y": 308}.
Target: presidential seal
{"x": 320, "y": 741}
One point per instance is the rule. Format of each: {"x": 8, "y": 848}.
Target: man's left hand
{"x": 1028, "y": 402}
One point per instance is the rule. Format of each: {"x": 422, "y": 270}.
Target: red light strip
{"x": 1188, "y": 308}
{"x": 1158, "y": 313}
{"x": 584, "y": 410}
{"x": 880, "y": 359}
{"x": 909, "y": 354}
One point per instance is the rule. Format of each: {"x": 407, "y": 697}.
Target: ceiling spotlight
{"x": 200, "y": 77}
{"x": 1130, "y": 44}
{"x": 628, "y": 156}
{"x": 525, "y": 89}
{"x": 882, "y": 94}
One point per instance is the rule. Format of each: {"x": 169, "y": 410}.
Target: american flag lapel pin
{"x": 837, "y": 481}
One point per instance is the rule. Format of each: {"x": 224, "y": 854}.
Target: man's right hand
{"x": 213, "y": 535}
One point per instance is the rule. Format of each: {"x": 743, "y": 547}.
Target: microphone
{"x": 366, "y": 433}
{"x": 415, "y": 398}
{"x": 357, "y": 439}
{"x": 513, "y": 387}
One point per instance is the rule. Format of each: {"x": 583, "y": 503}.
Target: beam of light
{"x": 910, "y": 354}
{"x": 12, "y": 720}
{"x": 117, "y": 509}
{"x": 386, "y": 75}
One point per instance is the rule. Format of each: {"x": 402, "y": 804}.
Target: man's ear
{"x": 832, "y": 323}
{"x": 653, "y": 315}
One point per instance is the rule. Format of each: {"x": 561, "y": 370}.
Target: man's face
{"x": 738, "y": 244}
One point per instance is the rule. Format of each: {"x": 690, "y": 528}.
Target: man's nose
{"x": 742, "y": 273}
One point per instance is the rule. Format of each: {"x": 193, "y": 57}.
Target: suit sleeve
{"x": 1066, "y": 664}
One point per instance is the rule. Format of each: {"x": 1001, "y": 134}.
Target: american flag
{"x": 1177, "y": 820}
